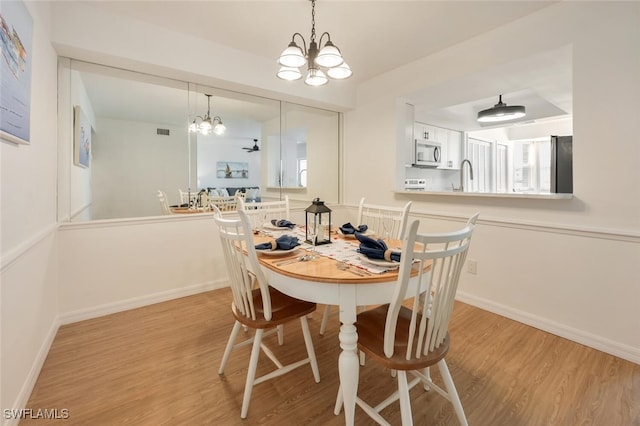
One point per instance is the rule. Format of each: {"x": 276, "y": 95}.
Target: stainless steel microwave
{"x": 427, "y": 154}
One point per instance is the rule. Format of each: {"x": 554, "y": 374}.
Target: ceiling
{"x": 376, "y": 37}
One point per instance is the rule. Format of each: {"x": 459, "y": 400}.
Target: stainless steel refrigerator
{"x": 562, "y": 164}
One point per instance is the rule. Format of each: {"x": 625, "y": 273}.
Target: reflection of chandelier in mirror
{"x": 501, "y": 112}
{"x": 208, "y": 124}
{"x": 328, "y": 57}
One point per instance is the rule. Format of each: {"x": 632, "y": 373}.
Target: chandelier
{"x": 501, "y": 112}
{"x": 328, "y": 56}
{"x": 208, "y": 124}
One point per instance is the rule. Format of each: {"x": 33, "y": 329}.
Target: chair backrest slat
{"x": 242, "y": 263}
{"x": 433, "y": 291}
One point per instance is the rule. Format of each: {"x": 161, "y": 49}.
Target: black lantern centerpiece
{"x": 318, "y": 223}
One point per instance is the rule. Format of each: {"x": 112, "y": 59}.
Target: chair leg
{"x": 281, "y": 335}
{"x": 310, "y": 351}
{"x": 229, "y": 348}
{"x": 339, "y": 401}
{"x": 251, "y": 372}
{"x": 325, "y": 319}
{"x": 405, "y": 402}
{"x": 451, "y": 390}
{"x": 426, "y": 385}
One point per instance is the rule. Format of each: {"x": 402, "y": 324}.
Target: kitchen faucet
{"x": 461, "y": 188}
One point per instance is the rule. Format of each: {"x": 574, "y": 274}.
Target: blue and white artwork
{"x": 16, "y": 32}
{"x": 81, "y": 138}
{"x": 232, "y": 170}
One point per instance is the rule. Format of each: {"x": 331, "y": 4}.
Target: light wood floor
{"x": 158, "y": 365}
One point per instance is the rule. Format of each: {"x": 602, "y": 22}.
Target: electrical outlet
{"x": 472, "y": 266}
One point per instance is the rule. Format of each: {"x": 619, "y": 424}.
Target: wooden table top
{"x": 187, "y": 210}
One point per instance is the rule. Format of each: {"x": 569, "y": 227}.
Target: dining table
{"x": 337, "y": 275}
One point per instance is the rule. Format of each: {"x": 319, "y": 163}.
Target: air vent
{"x": 164, "y": 132}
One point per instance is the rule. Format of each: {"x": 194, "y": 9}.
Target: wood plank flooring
{"x": 158, "y": 365}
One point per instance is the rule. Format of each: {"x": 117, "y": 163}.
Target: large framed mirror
{"x": 146, "y": 135}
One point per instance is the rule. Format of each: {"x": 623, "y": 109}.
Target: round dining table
{"x": 324, "y": 280}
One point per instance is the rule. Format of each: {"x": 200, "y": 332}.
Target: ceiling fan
{"x": 255, "y": 146}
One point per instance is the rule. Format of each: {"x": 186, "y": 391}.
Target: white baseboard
{"x": 137, "y": 302}
{"x": 27, "y": 387}
{"x": 600, "y": 343}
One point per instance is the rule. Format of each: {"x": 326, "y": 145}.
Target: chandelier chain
{"x": 313, "y": 20}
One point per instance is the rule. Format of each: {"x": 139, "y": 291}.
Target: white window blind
{"x": 480, "y": 154}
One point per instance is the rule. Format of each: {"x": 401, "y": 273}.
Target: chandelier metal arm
{"x": 304, "y": 43}
{"x": 328, "y": 37}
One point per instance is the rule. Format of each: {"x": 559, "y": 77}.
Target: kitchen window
{"x": 520, "y": 166}
{"x": 531, "y": 166}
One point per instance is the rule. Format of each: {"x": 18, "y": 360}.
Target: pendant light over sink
{"x": 501, "y": 112}
{"x": 328, "y": 56}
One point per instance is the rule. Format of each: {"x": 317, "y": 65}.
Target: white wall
{"x": 28, "y": 271}
{"x": 112, "y": 265}
{"x": 567, "y": 266}
{"x": 131, "y": 162}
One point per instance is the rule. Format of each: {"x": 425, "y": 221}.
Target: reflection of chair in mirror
{"x": 186, "y": 196}
{"x": 412, "y": 339}
{"x": 164, "y": 203}
{"x": 258, "y": 306}
{"x": 261, "y": 212}
{"x": 385, "y": 222}
{"x": 224, "y": 204}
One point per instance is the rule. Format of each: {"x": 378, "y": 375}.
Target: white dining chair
{"x": 257, "y": 306}
{"x": 164, "y": 203}
{"x": 187, "y": 196}
{"x": 225, "y": 204}
{"x": 260, "y": 212}
{"x": 385, "y": 222}
{"x": 412, "y": 339}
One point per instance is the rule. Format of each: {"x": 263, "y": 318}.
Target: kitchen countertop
{"x": 488, "y": 194}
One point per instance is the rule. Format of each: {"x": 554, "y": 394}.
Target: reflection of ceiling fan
{"x": 255, "y": 146}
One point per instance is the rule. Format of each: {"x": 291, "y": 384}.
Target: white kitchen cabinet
{"x": 451, "y": 148}
{"x": 425, "y": 132}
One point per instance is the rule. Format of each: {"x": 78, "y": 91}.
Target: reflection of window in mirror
{"x": 302, "y": 171}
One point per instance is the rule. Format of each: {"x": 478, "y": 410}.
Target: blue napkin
{"x": 376, "y": 249}
{"x": 284, "y": 242}
{"x": 348, "y": 228}
{"x": 283, "y": 223}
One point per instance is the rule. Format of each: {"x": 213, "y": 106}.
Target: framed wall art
{"x": 232, "y": 170}
{"x": 81, "y": 138}
{"x": 16, "y": 32}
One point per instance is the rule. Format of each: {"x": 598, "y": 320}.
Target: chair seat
{"x": 371, "y": 340}
{"x": 283, "y": 309}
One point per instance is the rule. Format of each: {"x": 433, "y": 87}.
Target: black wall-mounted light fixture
{"x": 501, "y": 112}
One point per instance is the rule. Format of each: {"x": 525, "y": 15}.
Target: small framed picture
{"x": 16, "y": 33}
{"x": 81, "y": 138}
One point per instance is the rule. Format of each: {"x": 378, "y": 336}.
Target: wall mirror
{"x": 137, "y": 126}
